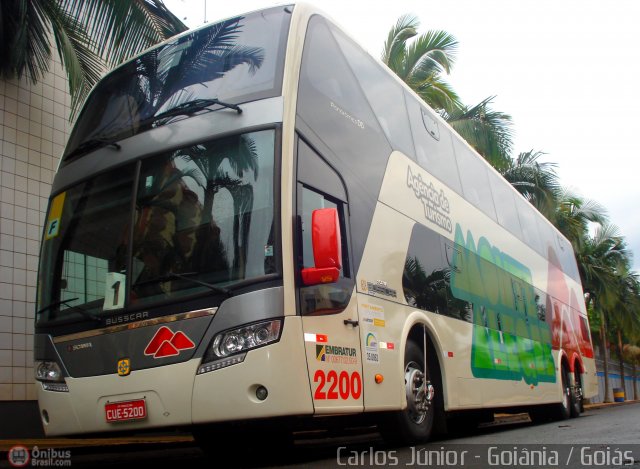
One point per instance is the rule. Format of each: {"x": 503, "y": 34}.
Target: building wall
{"x": 33, "y": 130}
{"x": 631, "y": 382}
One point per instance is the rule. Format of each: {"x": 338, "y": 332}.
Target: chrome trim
{"x": 136, "y": 325}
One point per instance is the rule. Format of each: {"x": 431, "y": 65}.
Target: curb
{"x": 5, "y": 445}
{"x": 601, "y": 405}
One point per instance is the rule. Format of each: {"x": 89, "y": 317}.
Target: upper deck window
{"x": 234, "y": 61}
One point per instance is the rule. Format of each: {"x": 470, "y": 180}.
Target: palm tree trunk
{"x": 605, "y": 357}
{"x": 207, "y": 208}
{"x": 622, "y": 385}
{"x": 635, "y": 380}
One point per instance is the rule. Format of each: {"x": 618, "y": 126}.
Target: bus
{"x": 257, "y": 222}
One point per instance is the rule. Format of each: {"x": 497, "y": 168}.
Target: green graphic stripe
{"x": 511, "y": 338}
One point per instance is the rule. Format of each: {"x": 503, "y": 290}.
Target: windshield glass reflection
{"x": 237, "y": 60}
{"x": 203, "y": 220}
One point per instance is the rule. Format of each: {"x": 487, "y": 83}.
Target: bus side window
{"x": 327, "y": 298}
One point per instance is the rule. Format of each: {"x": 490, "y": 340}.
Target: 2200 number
{"x": 341, "y": 386}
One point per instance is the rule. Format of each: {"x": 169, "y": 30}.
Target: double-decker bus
{"x": 257, "y": 220}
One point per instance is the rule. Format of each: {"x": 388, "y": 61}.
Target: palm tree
{"x": 421, "y": 63}
{"x": 241, "y": 155}
{"x": 624, "y": 313}
{"x": 536, "y": 181}
{"x": 599, "y": 257}
{"x": 422, "y": 290}
{"x": 213, "y": 52}
{"x": 632, "y": 355}
{"x": 122, "y": 29}
{"x": 487, "y": 131}
{"x": 573, "y": 214}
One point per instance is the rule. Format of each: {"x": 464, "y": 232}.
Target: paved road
{"x": 596, "y": 439}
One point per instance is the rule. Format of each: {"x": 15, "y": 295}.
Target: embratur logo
{"x": 321, "y": 353}
{"x": 336, "y": 354}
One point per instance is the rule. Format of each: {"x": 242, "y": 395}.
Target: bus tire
{"x": 415, "y": 423}
{"x": 541, "y": 414}
{"x": 577, "y": 404}
{"x": 564, "y": 409}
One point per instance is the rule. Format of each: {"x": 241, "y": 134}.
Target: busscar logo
{"x": 435, "y": 203}
{"x": 166, "y": 343}
{"x": 336, "y": 354}
{"x": 123, "y": 318}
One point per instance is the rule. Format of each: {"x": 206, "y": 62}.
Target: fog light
{"x": 262, "y": 393}
{"x": 379, "y": 379}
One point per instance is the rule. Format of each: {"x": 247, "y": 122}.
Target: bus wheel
{"x": 415, "y": 423}
{"x": 577, "y": 404}
{"x": 564, "y": 409}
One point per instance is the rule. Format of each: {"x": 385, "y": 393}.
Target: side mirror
{"x": 327, "y": 248}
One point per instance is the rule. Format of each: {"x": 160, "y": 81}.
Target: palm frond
{"x": 437, "y": 93}
{"x": 394, "y": 48}
{"x": 573, "y": 214}
{"x": 126, "y": 28}
{"x": 541, "y": 175}
{"x": 431, "y": 53}
{"x": 488, "y": 132}
{"x": 217, "y": 54}
{"x": 75, "y": 48}
{"x": 26, "y": 49}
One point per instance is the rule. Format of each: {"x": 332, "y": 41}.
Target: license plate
{"x": 124, "y": 411}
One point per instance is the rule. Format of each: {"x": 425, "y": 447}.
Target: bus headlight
{"x": 246, "y": 338}
{"x": 48, "y": 371}
{"x": 50, "y": 376}
{"x": 230, "y": 347}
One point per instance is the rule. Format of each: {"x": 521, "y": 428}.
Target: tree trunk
{"x": 605, "y": 357}
{"x": 635, "y": 380}
{"x": 621, "y": 358}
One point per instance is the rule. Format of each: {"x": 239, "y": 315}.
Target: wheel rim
{"x": 578, "y": 389}
{"x": 419, "y": 392}
{"x": 566, "y": 395}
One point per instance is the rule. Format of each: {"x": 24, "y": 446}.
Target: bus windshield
{"x": 234, "y": 61}
{"x": 186, "y": 222}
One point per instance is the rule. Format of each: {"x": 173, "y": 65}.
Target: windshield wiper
{"x": 172, "y": 275}
{"x": 190, "y": 107}
{"x": 72, "y": 308}
{"x": 92, "y": 144}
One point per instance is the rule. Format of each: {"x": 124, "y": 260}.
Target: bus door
{"x": 326, "y": 293}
